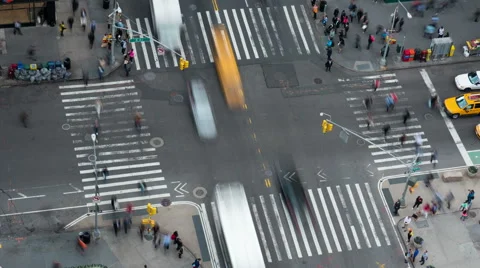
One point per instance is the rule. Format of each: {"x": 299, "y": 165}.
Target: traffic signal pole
{"x": 410, "y": 166}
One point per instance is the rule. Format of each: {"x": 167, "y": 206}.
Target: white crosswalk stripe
{"x": 255, "y": 33}
{"x": 278, "y": 220}
{"x": 389, "y": 154}
{"x": 125, "y": 151}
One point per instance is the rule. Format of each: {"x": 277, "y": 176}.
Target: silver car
{"x": 202, "y": 110}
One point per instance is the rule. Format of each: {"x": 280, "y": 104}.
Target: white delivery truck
{"x": 167, "y": 22}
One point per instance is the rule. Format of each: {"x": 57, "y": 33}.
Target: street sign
{"x": 96, "y": 199}
{"x": 344, "y": 136}
{"x": 138, "y": 40}
{"x": 160, "y": 51}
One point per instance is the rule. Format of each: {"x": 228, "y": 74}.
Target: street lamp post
{"x": 116, "y": 9}
{"x": 96, "y": 232}
{"x": 411, "y": 167}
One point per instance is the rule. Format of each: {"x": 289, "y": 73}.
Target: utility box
{"x": 441, "y": 47}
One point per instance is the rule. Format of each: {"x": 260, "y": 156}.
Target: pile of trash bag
{"x": 43, "y": 74}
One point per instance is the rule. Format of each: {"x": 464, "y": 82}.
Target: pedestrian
{"x": 100, "y": 72}
{"x": 406, "y": 222}
{"x": 123, "y": 44}
{"x": 424, "y": 257}
{"x": 329, "y": 52}
{"x": 315, "y": 11}
{"x": 74, "y": 6}
{"x": 131, "y": 54}
{"x": 406, "y": 116}
{"x": 418, "y": 202}
{"x": 166, "y": 242}
{"x": 70, "y": 23}
{"x": 180, "y": 250}
{"x": 464, "y": 215}
{"x": 476, "y": 15}
{"x": 359, "y": 14}
{"x": 409, "y": 234}
{"x": 62, "y": 28}
{"x": 335, "y": 12}
{"x": 464, "y": 206}
{"x": 415, "y": 254}
{"x": 141, "y": 229}
{"x": 125, "y": 224}
{"x": 93, "y": 26}
{"x": 127, "y": 67}
{"x": 433, "y": 158}
{"x": 441, "y": 32}
{"x": 196, "y": 263}
{"x": 426, "y": 210}
{"x": 402, "y": 139}
{"x": 328, "y": 65}
{"x": 174, "y": 237}
{"x": 395, "y": 21}
{"x": 83, "y": 19}
{"x": 17, "y": 28}
{"x": 389, "y": 103}
{"x": 449, "y": 199}
{"x": 156, "y": 230}
{"x": 346, "y": 26}
{"x": 341, "y": 44}
{"x": 400, "y": 25}
{"x": 313, "y": 2}
{"x": 115, "y": 227}
{"x": 179, "y": 243}
{"x": 368, "y": 101}
{"x": 396, "y": 207}
{"x": 470, "y": 196}
{"x": 369, "y": 121}
{"x": 85, "y": 77}
{"x": 324, "y": 20}
{"x": 408, "y": 255}
{"x": 386, "y": 129}
{"x": 357, "y": 41}
{"x": 371, "y": 39}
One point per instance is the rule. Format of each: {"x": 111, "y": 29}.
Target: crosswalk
{"x": 127, "y": 153}
{"x": 335, "y": 219}
{"x": 388, "y": 152}
{"x": 255, "y": 33}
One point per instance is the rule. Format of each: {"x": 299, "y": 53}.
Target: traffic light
{"x": 326, "y": 127}
{"x": 151, "y": 210}
{"x": 184, "y": 64}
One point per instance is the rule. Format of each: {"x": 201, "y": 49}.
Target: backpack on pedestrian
{"x": 371, "y": 38}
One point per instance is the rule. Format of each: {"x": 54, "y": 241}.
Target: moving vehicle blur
{"x": 227, "y": 69}
{"x": 466, "y": 104}
{"x": 167, "y": 22}
{"x": 202, "y": 110}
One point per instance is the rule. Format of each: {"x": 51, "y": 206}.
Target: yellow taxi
{"x": 477, "y": 130}
{"x": 466, "y": 104}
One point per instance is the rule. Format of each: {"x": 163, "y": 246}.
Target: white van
{"x": 167, "y": 22}
{"x": 202, "y": 110}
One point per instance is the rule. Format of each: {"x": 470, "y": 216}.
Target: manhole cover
{"x": 149, "y": 76}
{"x": 92, "y": 158}
{"x": 166, "y": 202}
{"x": 268, "y": 172}
{"x": 157, "y": 142}
{"x": 65, "y": 126}
{"x": 317, "y": 81}
{"x": 199, "y": 192}
{"x": 472, "y": 214}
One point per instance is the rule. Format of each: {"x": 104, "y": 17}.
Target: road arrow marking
{"x": 322, "y": 175}
{"x": 179, "y": 188}
{"x": 288, "y": 176}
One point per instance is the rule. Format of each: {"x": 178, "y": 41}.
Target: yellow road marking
{"x": 215, "y": 5}
{"x": 268, "y": 183}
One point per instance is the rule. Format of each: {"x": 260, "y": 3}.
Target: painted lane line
{"x": 121, "y": 183}
{"x": 133, "y": 151}
{"x": 300, "y": 30}
{"x": 205, "y": 38}
{"x": 109, "y": 116}
{"x": 377, "y": 214}
{"x": 409, "y": 157}
{"x": 265, "y": 29}
{"x": 128, "y": 191}
{"x": 290, "y": 25}
{"x": 352, "y": 227}
{"x": 113, "y": 168}
{"x": 398, "y": 114}
{"x": 114, "y": 161}
{"x": 232, "y": 35}
{"x": 189, "y": 45}
{"x": 319, "y": 220}
{"x": 423, "y": 163}
{"x": 260, "y": 230}
{"x": 41, "y": 211}
{"x": 397, "y": 107}
{"x": 302, "y": 233}
{"x": 270, "y": 228}
{"x": 387, "y": 144}
{"x": 396, "y": 136}
{"x": 448, "y": 122}
{"x": 339, "y": 218}
{"x": 73, "y": 192}
{"x": 152, "y": 44}
{"x": 89, "y": 106}
{"x": 249, "y": 33}
{"x": 368, "y": 77}
{"x": 367, "y": 214}
{"x": 240, "y": 31}
{"x": 132, "y": 136}
{"x": 108, "y": 131}
{"x": 280, "y": 226}
{"x": 107, "y": 111}
{"x": 274, "y": 28}
{"x": 329, "y": 220}
{"x": 393, "y": 129}
{"x": 379, "y": 97}
{"x": 312, "y": 229}
{"x": 89, "y": 126}
{"x": 126, "y": 175}
{"x": 209, "y": 19}
{"x": 96, "y": 84}
{"x": 357, "y": 213}
{"x": 393, "y": 122}
{"x": 197, "y": 39}
{"x": 208, "y": 230}
{"x": 103, "y": 146}
{"x": 130, "y": 33}
{"x": 399, "y": 150}
{"x": 259, "y": 36}
{"x": 26, "y": 197}
{"x": 22, "y": 195}
{"x": 219, "y": 19}
{"x": 104, "y": 97}
{"x": 290, "y": 226}
{"x": 360, "y": 103}
{"x": 132, "y": 199}
{"x": 144, "y": 47}
{"x": 306, "y": 19}
{"x": 91, "y": 91}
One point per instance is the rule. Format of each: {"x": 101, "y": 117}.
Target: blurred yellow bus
{"x": 227, "y": 69}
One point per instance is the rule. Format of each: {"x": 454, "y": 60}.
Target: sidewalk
{"x": 450, "y": 242}
{"x": 51, "y": 47}
{"x": 122, "y": 251}
{"x": 457, "y": 20}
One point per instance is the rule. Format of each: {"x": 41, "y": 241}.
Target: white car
{"x": 469, "y": 81}
{"x": 202, "y": 110}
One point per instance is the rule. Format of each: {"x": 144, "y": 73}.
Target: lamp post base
{"x": 96, "y": 234}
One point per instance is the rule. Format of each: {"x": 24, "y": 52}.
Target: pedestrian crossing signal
{"x": 326, "y": 127}
{"x": 184, "y": 64}
{"x": 151, "y": 210}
